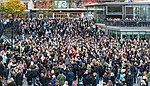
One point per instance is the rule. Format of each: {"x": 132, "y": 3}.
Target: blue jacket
{"x": 70, "y": 76}
{"x": 53, "y": 81}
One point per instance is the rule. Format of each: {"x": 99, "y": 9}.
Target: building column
{"x": 123, "y": 11}
{"x": 134, "y": 12}
{"x": 138, "y": 36}
{"x": 68, "y": 14}
{"x": 121, "y": 36}
{"x": 53, "y": 15}
{"x": 116, "y": 34}
{"x": 82, "y": 15}
{"x": 106, "y": 9}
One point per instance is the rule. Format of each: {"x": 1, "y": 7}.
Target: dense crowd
{"x": 71, "y": 52}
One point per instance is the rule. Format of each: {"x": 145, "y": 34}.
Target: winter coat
{"x": 29, "y": 77}
{"x": 1, "y": 69}
{"x": 129, "y": 80}
{"x": 19, "y": 78}
{"x": 70, "y": 77}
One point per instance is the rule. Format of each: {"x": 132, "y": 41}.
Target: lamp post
{"x": 13, "y": 28}
{"x": 12, "y": 32}
{"x": 106, "y": 28}
{"x": 1, "y": 24}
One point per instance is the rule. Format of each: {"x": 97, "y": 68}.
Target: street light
{"x": 12, "y": 32}
{"x": 12, "y": 29}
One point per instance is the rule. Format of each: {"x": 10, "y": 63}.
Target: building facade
{"x": 58, "y": 8}
{"x": 123, "y": 20}
{"x": 120, "y": 10}
{"x": 129, "y": 32}
{"x": 55, "y": 8}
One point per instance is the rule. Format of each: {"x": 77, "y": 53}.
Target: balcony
{"x": 128, "y": 23}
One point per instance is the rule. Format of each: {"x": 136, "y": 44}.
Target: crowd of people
{"x": 72, "y": 52}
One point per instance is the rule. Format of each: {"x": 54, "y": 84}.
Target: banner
{"x": 86, "y": 2}
{"x": 60, "y": 4}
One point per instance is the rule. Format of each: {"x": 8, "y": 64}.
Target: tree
{"x": 13, "y": 7}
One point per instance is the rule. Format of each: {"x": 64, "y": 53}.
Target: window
{"x": 129, "y": 10}
{"x": 114, "y": 9}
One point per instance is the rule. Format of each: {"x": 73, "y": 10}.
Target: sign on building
{"x": 60, "y": 4}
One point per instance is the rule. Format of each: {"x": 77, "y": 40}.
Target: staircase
{"x": 8, "y": 33}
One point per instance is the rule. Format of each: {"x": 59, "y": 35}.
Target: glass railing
{"x": 126, "y": 23}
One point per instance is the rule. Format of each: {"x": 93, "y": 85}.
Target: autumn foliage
{"x": 14, "y": 7}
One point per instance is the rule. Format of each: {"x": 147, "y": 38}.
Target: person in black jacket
{"x": 19, "y": 78}
{"x": 90, "y": 80}
{"x": 29, "y": 77}
{"x": 44, "y": 79}
{"x": 84, "y": 77}
{"x": 105, "y": 78}
{"x": 1, "y": 81}
{"x": 1, "y": 69}
{"x": 129, "y": 79}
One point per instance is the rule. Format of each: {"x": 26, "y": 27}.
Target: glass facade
{"x": 121, "y": 11}
{"x": 114, "y": 10}
{"x": 137, "y": 11}
{"x": 123, "y": 15}
{"x": 100, "y": 13}
{"x": 129, "y": 34}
